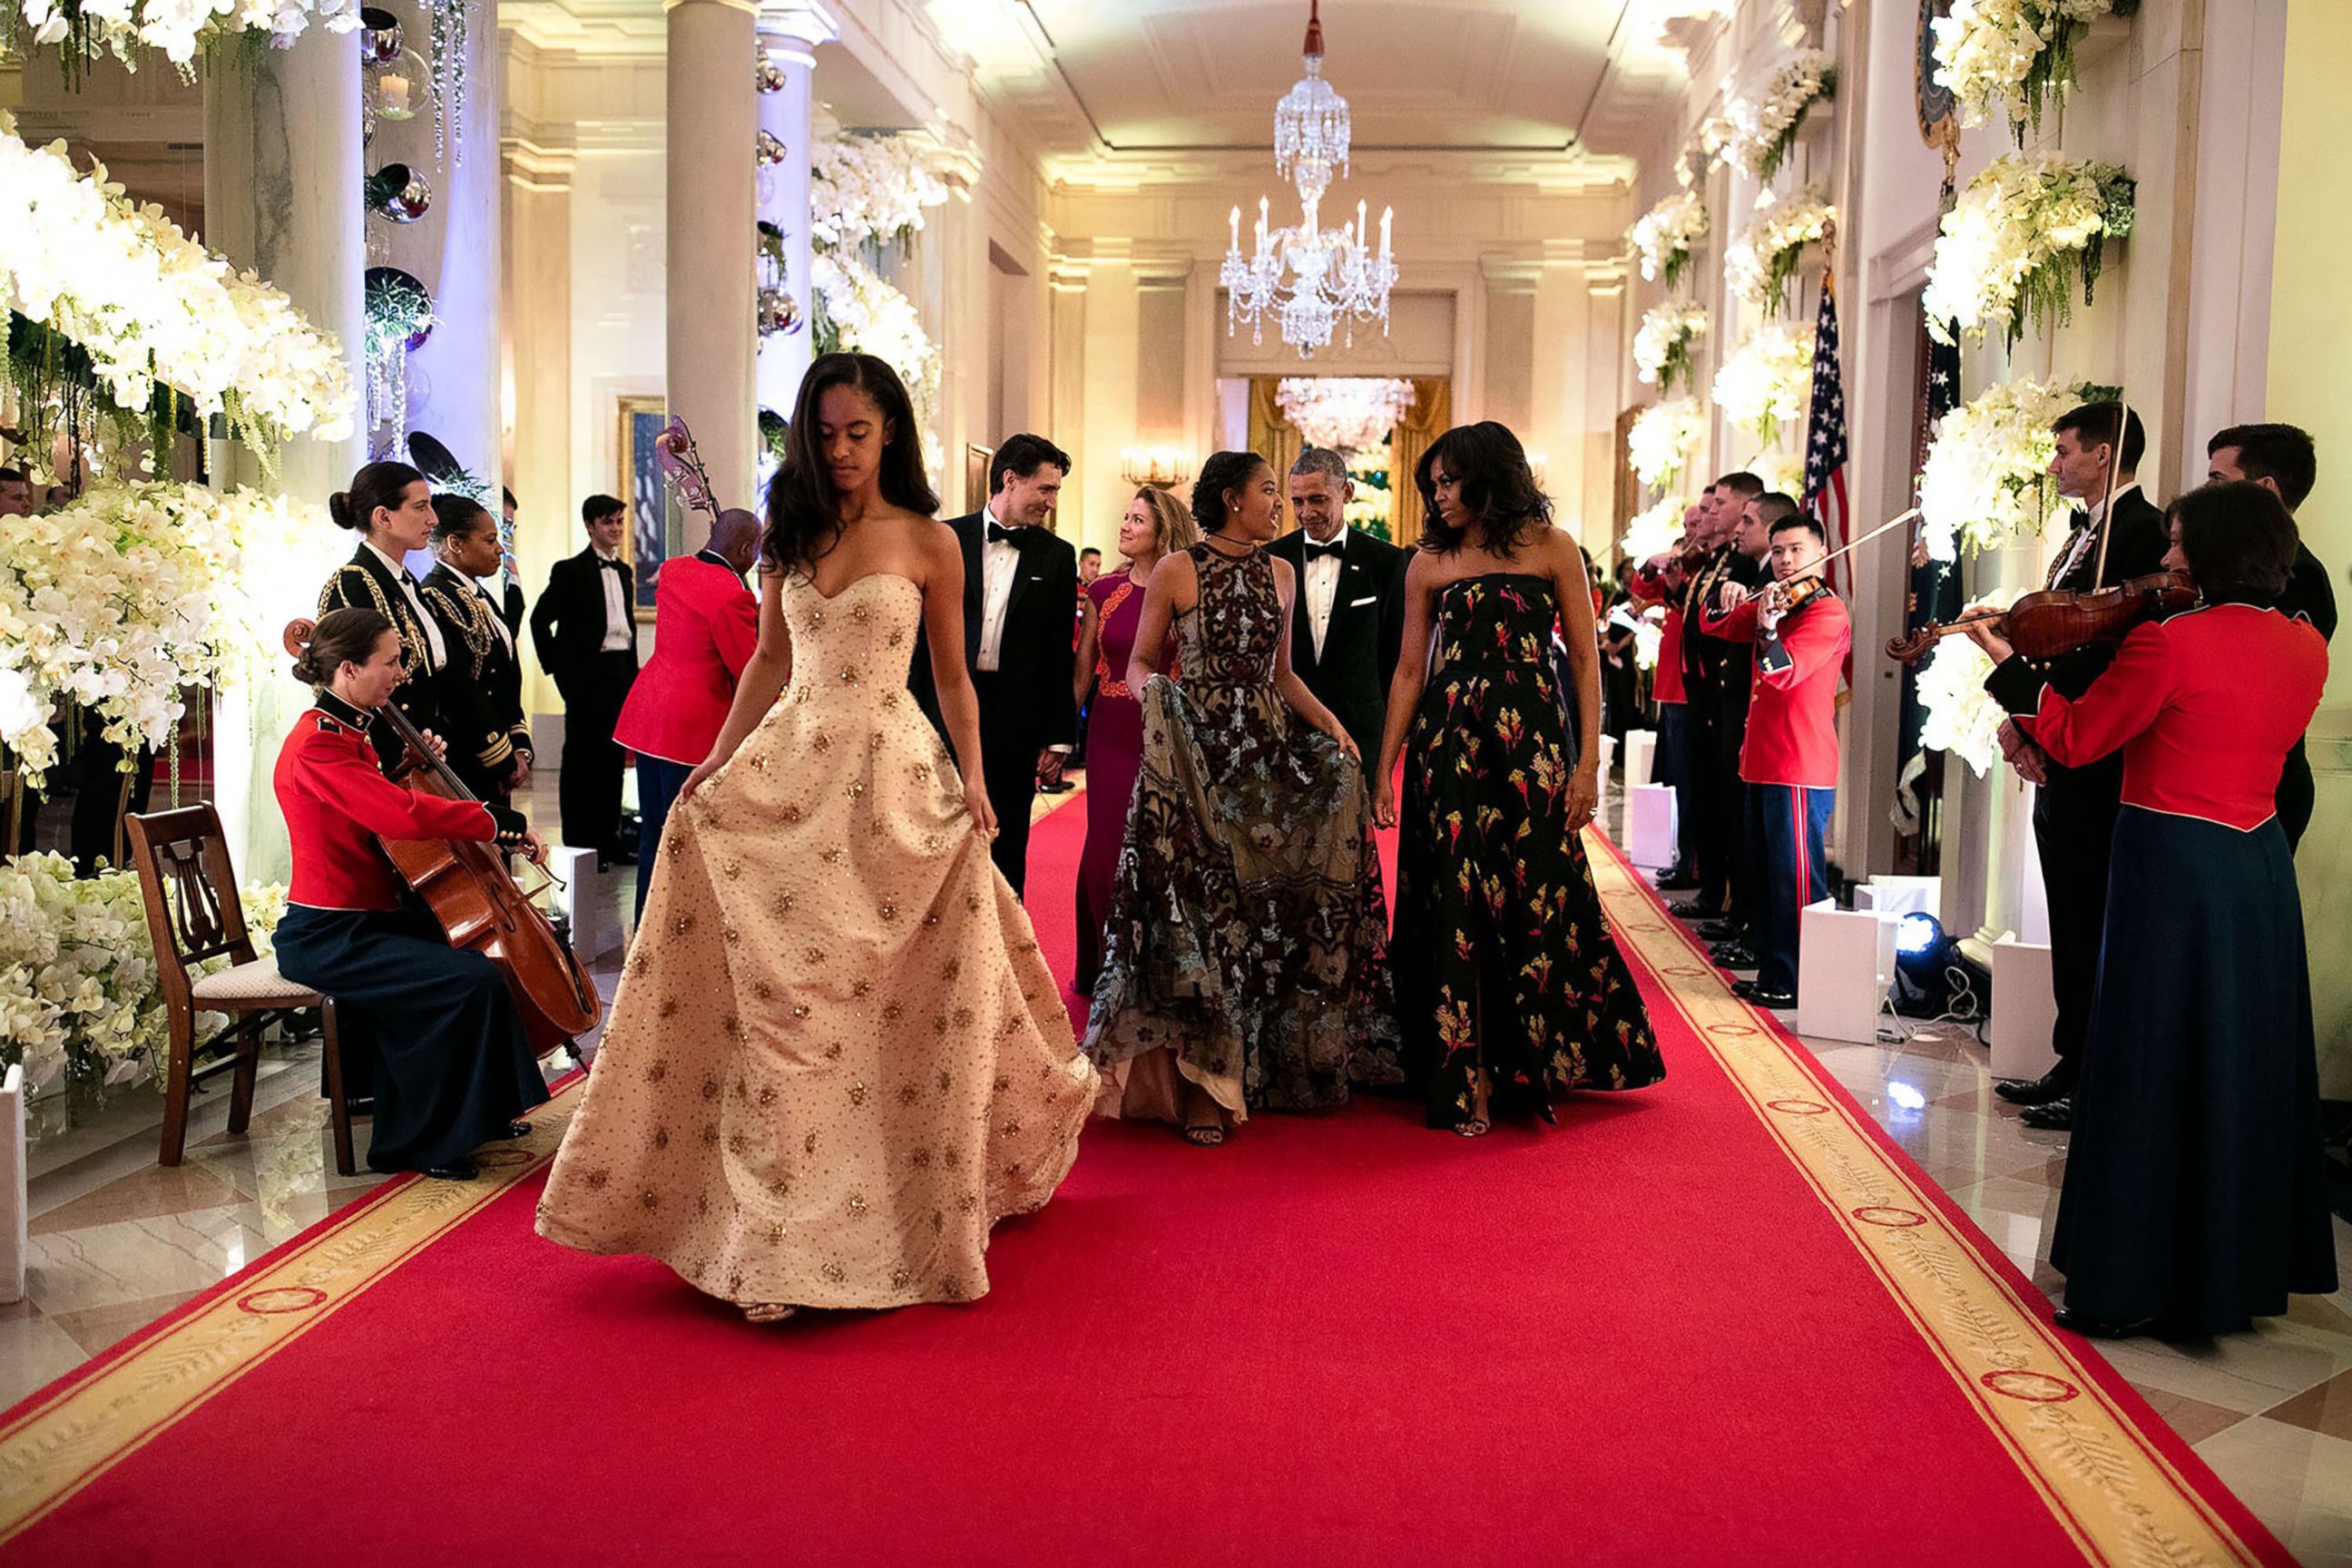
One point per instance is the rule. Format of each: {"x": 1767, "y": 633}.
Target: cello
{"x": 480, "y": 906}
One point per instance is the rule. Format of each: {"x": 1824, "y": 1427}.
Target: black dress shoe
{"x": 2055, "y": 1117}
{"x": 1692, "y": 909}
{"x": 1733, "y": 955}
{"x": 2055, "y": 1084}
{"x": 1676, "y": 882}
{"x": 2091, "y": 1328}
{"x": 514, "y": 1129}
{"x": 1724, "y": 930}
{"x": 1753, "y": 992}
{"x": 455, "y": 1170}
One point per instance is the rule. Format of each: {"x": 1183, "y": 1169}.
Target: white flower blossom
{"x": 1764, "y": 127}
{"x": 1763, "y": 258}
{"x": 1663, "y": 234}
{"x": 1769, "y": 380}
{"x": 1957, "y": 714}
{"x": 1662, "y": 438}
{"x": 2017, "y": 239}
{"x": 1661, "y": 348}
{"x": 2011, "y": 55}
{"x": 1986, "y": 479}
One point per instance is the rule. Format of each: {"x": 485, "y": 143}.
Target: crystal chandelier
{"x": 1346, "y": 413}
{"x": 1313, "y": 280}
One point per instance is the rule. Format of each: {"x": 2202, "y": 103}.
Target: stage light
{"x": 1924, "y": 952}
{"x": 1917, "y": 935}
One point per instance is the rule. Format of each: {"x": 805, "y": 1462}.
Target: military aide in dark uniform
{"x": 431, "y": 1033}
{"x": 390, "y": 506}
{"x": 483, "y": 710}
{"x": 2074, "y": 808}
{"x": 1710, "y": 667}
{"x": 1789, "y": 761}
{"x": 2196, "y": 1190}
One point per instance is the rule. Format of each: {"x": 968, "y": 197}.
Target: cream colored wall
{"x": 2311, "y": 324}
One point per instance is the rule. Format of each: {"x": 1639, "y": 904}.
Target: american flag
{"x": 1825, "y": 436}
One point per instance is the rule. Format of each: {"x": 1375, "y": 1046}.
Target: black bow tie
{"x": 1335, "y": 549}
{"x": 1000, "y": 535}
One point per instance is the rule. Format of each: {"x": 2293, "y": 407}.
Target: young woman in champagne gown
{"x": 1155, "y": 523}
{"x": 1506, "y": 974}
{"x": 1244, "y": 964}
{"x": 836, "y": 1057}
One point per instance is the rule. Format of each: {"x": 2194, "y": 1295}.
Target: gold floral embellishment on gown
{"x": 684, "y": 924}
{"x": 657, "y": 1070}
{"x": 793, "y": 812}
{"x": 800, "y": 1012}
{"x": 855, "y": 791}
{"x": 596, "y": 1180}
{"x": 739, "y": 1145}
{"x": 857, "y": 1094}
{"x": 902, "y": 1277}
{"x": 952, "y": 968}
{"x": 767, "y": 1095}
{"x": 808, "y": 1145}
{"x": 733, "y": 869}
{"x": 763, "y": 991}
{"x": 861, "y": 987}
{"x": 731, "y": 933}
{"x": 834, "y": 1273}
{"x": 785, "y": 902}
{"x": 909, "y": 1094}
{"x": 888, "y": 912}
{"x": 861, "y": 614}
{"x": 709, "y": 1088}
{"x": 857, "y": 1204}
{"x": 759, "y": 762}
{"x": 963, "y": 1018}
{"x": 919, "y": 1158}
{"x": 849, "y": 675}
{"x": 650, "y": 1198}
{"x": 892, "y": 1011}
{"x": 813, "y": 955}
{"x": 661, "y": 1137}
{"x": 821, "y": 740}
{"x": 668, "y": 1008}
{"x": 832, "y": 857}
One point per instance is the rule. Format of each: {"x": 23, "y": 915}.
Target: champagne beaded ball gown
{"x": 836, "y": 1057}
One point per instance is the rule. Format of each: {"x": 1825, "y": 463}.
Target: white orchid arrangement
{"x": 1769, "y": 380}
{"x": 132, "y": 592}
{"x": 79, "y": 993}
{"x": 1986, "y": 479}
{"x": 1664, "y": 235}
{"x": 1662, "y": 438}
{"x": 1764, "y": 127}
{"x": 176, "y": 28}
{"x": 1762, "y": 260}
{"x": 866, "y": 194}
{"x": 1661, "y": 348}
{"x": 2025, "y": 233}
{"x": 2014, "y": 55}
{"x": 1783, "y": 471}
{"x": 1655, "y": 530}
{"x": 150, "y": 306}
{"x": 1957, "y": 714}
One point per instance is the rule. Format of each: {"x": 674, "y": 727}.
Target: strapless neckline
{"x": 810, "y": 583}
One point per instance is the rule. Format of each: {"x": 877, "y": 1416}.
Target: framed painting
{"x": 646, "y": 544}
{"x": 975, "y": 476}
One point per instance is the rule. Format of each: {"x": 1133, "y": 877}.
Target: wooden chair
{"x": 193, "y": 914}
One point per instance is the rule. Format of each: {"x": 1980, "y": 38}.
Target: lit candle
{"x": 1362, "y": 230}
{"x": 394, "y": 89}
{"x": 1387, "y": 215}
{"x": 1261, "y": 223}
{"x": 1234, "y": 228}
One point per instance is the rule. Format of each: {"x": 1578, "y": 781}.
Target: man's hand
{"x": 520, "y": 778}
{"x": 534, "y": 848}
{"x": 1729, "y": 596}
{"x": 1049, "y": 765}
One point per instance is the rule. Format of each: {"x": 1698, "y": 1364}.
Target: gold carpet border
{"x": 73, "y": 1437}
{"x": 2114, "y": 1492}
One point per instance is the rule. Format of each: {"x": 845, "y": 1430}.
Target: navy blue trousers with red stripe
{"x": 1785, "y": 823}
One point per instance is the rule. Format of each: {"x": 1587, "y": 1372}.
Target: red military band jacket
{"x": 2206, "y": 707}
{"x": 338, "y": 803}
{"x": 706, "y": 627}
{"x": 1792, "y": 715}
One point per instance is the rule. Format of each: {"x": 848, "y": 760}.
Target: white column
{"x": 282, "y": 197}
{"x": 788, "y": 37}
{"x": 711, "y": 343}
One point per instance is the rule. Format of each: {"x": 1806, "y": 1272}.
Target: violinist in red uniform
{"x": 1790, "y": 760}
{"x": 2196, "y": 1191}
{"x": 434, "y": 1029}
{"x": 1663, "y": 581}
{"x": 706, "y": 625}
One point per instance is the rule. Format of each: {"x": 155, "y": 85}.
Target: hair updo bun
{"x": 1224, "y": 471}
{"x": 376, "y": 485}
{"x": 341, "y": 637}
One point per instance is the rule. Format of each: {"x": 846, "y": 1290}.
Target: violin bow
{"x": 2107, "y": 501}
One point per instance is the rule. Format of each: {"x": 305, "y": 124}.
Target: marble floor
{"x": 117, "y": 1240}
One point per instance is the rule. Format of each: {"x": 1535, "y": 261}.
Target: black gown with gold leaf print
{"x": 1502, "y": 953}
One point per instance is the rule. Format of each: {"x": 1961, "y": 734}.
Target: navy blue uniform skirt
{"x": 430, "y": 1031}
{"x": 2196, "y": 1182}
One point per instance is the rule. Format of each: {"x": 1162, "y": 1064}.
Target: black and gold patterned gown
{"x": 1503, "y": 948}
{"x": 1246, "y": 949}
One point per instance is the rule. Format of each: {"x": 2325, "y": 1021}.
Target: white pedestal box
{"x": 1650, "y": 825}
{"x": 1608, "y": 759}
{"x": 1641, "y": 757}
{"x": 14, "y": 1198}
{"x": 587, "y": 902}
{"x": 2023, "y": 1009}
{"x": 1846, "y": 961}
{"x": 1900, "y": 895}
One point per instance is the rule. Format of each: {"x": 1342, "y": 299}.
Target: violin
{"x": 480, "y": 906}
{"x": 2058, "y": 621}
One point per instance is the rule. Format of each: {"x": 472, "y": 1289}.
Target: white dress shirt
{"x": 999, "y": 563}
{"x": 617, "y": 609}
{"x": 2086, "y": 537}
{"x": 431, "y": 628}
{"x": 1322, "y": 574}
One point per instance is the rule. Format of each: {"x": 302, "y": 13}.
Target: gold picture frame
{"x": 645, "y": 545}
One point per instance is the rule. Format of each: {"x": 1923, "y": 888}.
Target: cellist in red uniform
{"x": 433, "y": 1029}
{"x": 2196, "y": 1190}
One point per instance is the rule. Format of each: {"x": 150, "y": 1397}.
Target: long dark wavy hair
{"x": 1496, "y": 485}
{"x": 803, "y": 512}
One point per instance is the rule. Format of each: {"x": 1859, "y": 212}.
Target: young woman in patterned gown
{"x": 1244, "y": 964}
{"x": 1508, "y": 974}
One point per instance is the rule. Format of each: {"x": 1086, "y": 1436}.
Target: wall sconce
{"x": 1159, "y": 465}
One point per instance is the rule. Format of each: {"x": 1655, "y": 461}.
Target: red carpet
{"x": 1664, "y": 1332}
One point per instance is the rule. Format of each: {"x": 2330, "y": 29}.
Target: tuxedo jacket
{"x": 706, "y": 628}
{"x": 511, "y": 608}
{"x": 365, "y": 582}
{"x": 484, "y": 715}
{"x": 1361, "y": 643}
{"x": 2136, "y": 548}
{"x": 567, "y": 627}
{"x": 1032, "y": 707}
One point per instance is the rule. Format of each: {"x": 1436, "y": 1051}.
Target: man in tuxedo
{"x": 1346, "y": 625}
{"x": 1711, "y": 668}
{"x": 2096, "y": 467}
{"x": 2282, "y": 457}
{"x": 1019, "y": 582}
{"x": 585, "y": 631}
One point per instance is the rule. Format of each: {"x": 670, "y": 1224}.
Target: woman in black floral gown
{"x": 1243, "y": 961}
{"x": 1508, "y": 974}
